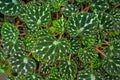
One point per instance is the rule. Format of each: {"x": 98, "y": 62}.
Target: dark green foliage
{"x": 60, "y": 39}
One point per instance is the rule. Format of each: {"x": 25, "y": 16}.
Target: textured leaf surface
{"x": 33, "y": 77}
{"x": 68, "y": 68}
{"x": 75, "y": 45}
{"x": 11, "y": 48}
{"x": 10, "y": 7}
{"x": 60, "y": 25}
{"x": 69, "y": 10}
{"x": 105, "y": 21}
{"x": 112, "y": 65}
{"x": 82, "y": 24}
{"x": 88, "y": 75}
{"x": 41, "y": 15}
{"x": 113, "y": 49}
{"x": 22, "y": 64}
{"x": 99, "y": 4}
{"x": 49, "y": 48}
{"x": 112, "y": 77}
{"x": 9, "y": 32}
{"x": 87, "y": 54}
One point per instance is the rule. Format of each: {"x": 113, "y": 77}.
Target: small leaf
{"x": 22, "y": 64}
{"x": 68, "y": 69}
{"x": 10, "y": 7}
{"x": 109, "y": 77}
{"x": 82, "y": 24}
{"x": 9, "y": 32}
{"x": 112, "y": 65}
{"x": 69, "y": 10}
{"x": 60, "y": 25}
{"x": 88, "y": 75}
{"x": 86, "y": 55}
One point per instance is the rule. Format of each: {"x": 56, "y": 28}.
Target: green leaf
{"x": 10, "y": 48}
{"x": 75, "y": 45}
{"x": 113, "y": 49}
{"x": 88, "y": 75}
{"x": 69, "y": 10}
{"x": 99, "y": 5}
{"x": 60, "y": 25}
{"x": 9, "y": 32}
{"x": 2, "y": 55}
{"x": 33, "y": 77}
{"x": 90, "y": 40}
{"x": 86, "y": 55}
{"x": 22, "y": 64}
{"x": 105, "y": 22}
{"x": 109, "y": 77}
{"x": 56, "y": 76}
{"x": 10, "y": 7}
{"x": 68, "y": 69}
{"x": 82, "y": 24}
{"x": 35, "y": 16}
{"x": 49, "y": 48}
{"x": 112, "y": 65}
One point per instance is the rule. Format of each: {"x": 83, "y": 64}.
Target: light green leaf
{"x": 9, "y": 32}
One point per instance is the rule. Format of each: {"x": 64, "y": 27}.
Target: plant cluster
{"x": 60, "y": 39}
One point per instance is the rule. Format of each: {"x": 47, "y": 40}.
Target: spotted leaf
{"x": 99, "y": 5}
{"x": 86, "y": 55}
{"x": 9, "y": 32}
{"x": 112, "y": 65}
{"x": 82, "y": 24}
{"x": 22, "y": 64}
{"x": 10, "y": 7}
{"x": 69, "y": 10}
{"x": 88, "y": 75}
{"x": 49, "y": 48}
{"x": 33, "y": 77}
{"x": 113, "y": 49}
{"x": 68, "y": 68}
{"x": 60, "y": 25}
{"x": 41, "y": 15}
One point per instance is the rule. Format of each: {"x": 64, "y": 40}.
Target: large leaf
{"x": 105, "y": 22}
{"x": 9, "y": 32}
{"x": 112, "y": 65}
{"x": 41, "y": 15}
{"x": 86, "y": 55}
{"x": 22, "y": 64}
{"x": 69, "y": 10}
{"x": 82, "y": 24}
{"x": 68, "y": 69}
{"x": 49, "y": 48}
{"x": 99, "y": 5}
{"x": 113, "y": 49}
{"x": 88, "y": 75}
{"x": 10, "y": 7}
